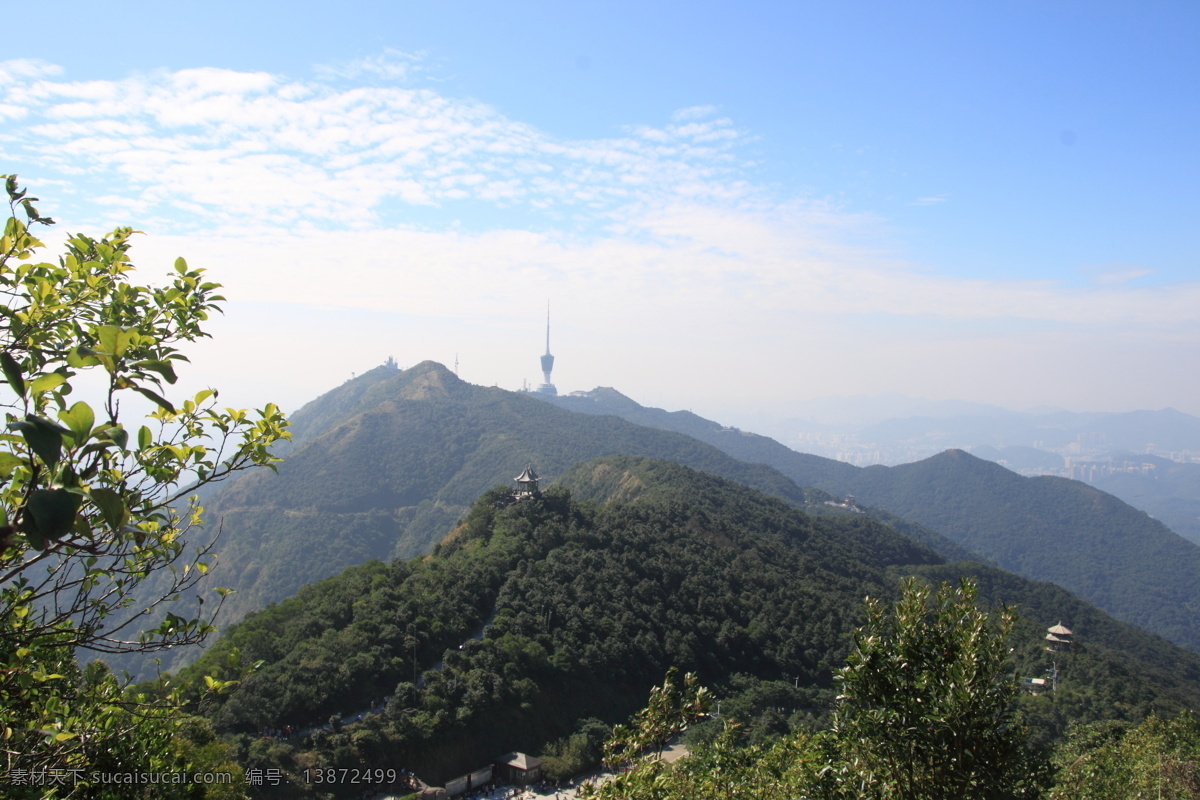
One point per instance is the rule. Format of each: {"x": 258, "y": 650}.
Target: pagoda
{"x": 1058, "y": 638}
{"x": 527, "y": 484}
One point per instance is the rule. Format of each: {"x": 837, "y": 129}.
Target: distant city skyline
{"x": 732, "y": 210}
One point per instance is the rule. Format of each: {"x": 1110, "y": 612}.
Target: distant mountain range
{"x": 1044, "y": 528}
{"x": 1133, "y": 430}
{"x": 1150, "y": 459}
{"x": 1168, "y": 491}
{"x": 382, "y": 466}
{"x": 893, "y": 417}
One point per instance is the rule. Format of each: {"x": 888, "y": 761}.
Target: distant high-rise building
{"x": 547, "y": 360}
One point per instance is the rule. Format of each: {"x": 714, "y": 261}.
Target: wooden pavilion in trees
{"x": 1058, "y": 638}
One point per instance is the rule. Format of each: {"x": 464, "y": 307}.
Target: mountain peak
{"x": 429, "y": 380}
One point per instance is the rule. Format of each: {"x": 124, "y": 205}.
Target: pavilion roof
{"x": 520, "y": 761}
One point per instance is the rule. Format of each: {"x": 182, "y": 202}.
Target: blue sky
{"x": 729, "y": 208}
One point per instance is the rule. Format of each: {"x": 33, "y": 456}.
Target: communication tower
{"x": 547, "y": 360}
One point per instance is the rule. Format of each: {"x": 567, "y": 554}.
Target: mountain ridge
{"x": 387, "y": 463}
{"x": 1122, "y": 568}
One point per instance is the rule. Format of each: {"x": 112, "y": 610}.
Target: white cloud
{"x": 393, "y": 65}
{"x": 19, "y": 70}
{"x": 358, "y": 198}
{"x": 1116, "y": 274}
{"x": 196, "y": 138}
{"x": 694, "y": 112}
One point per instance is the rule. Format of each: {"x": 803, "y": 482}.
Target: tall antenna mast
{"x": 547, "y": 360}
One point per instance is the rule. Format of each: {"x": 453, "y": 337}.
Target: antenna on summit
{"x": 547, "y": 360}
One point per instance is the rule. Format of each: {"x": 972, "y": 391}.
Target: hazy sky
{"x": 728, "y": 206}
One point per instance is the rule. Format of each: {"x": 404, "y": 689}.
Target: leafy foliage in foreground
{"x": 1114, "y": 761}
{"x": 928, "y": 711}
{"x": 88, "y": 504}
{"x": 1099, "y": 761}
{"x": 928, "y": 698}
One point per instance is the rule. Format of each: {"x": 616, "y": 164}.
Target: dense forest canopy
{"x": 535, "y": 619}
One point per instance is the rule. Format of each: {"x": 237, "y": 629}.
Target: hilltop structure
{"x": 527, "y": 484}
{"x": 547, "y": 362}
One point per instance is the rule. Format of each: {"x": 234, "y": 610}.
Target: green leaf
{"x": 116, "y": 514}
{"x": 113, "y": 340}
{"x": 80, "y": 357}
{"x": 79, "y": 418}
{"x": 42, "y": 436}
{"x": 83, "y": 528}
{"x": 118, "y": 435}
{"x": 52, "y": 513}
{"x": 145, "y": 438}
{"x": 156, "y": 397}
{"x": 163, "y": 368}
{"x": 44, "y": 383}
{"x": 12, "y": 373}
{"x": 9, "y": 462}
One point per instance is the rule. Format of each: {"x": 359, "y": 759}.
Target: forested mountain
{"x": 532, "y": 616}
{"x": 1044, "y": 528}
{"x": 803, "y": 468}
{"x": 1052, "y": 529}
{"x": 1165, "y": 489}
{"x": 382, "y": 466}
{"x": 1171, "y": 492}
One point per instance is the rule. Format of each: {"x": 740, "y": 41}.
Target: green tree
{"x": 92, "y": 506}
{"x": 796, "y": 765}
{"x": 673, "y": 705}
{"x": 928, "y": 701}
{"x": 1108, "y": 761}
{"x": 927, "y": 711}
